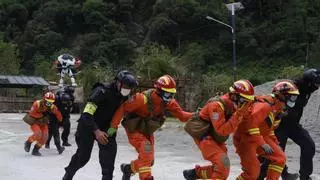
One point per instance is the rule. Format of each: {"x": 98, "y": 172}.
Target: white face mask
{"x": 290, "y": 104}
{"x": 125, "y": 92}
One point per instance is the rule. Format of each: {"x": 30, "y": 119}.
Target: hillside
{"x": 275, "y": 39}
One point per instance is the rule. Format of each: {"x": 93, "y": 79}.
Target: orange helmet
{"x": 49, "y": 97}
{"x": 285, "y": 87}
{"x": 244, "y": 88}
{"x": 166, "y": 83}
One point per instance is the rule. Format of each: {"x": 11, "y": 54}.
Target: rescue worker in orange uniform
{"x": 224, "y": 114}
{"x": 144, "y": 115}
{"x": 252, "y": 137}
{"x": 38, "y": 118}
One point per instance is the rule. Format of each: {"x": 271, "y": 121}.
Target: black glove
{"x": 267, "y": 149}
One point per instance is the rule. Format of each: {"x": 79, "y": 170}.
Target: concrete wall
{"x": 15, "y": 104}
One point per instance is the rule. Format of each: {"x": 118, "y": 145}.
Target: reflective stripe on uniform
{"x": 204, "y": 174}
{"x": 145, "y": 99}
{"x": 277, "y": 122}
{"x": 90, "y": 108}
{"x": 271, "y": 116}
{"x": 145, "y": 169}
{"x": 254, "y": 131}
{"x": 276, "y": 168}
{"x": 221, "y": 105}
{"x": 239, "y": 178}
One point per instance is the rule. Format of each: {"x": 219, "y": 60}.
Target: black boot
{"x": 27, "y": 146}
{"x": 61, "y": 149}
{"x": 47, "y": 146}
{"x": 66, "y": 143}
{"x": 126, "y": 170}
{"x": 35, "y": 151}
{"x": 302, "y": 177}
{"x": 67, "y": 176}
{"x": 190, "y": 174}
{"x": 289, "y": 176}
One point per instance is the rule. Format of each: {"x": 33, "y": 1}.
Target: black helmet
{"x": 67, "y": 56}
{"x": 312, "y": 76}
{"x": 69, "y": 89}
{"x": 125, "y": 77}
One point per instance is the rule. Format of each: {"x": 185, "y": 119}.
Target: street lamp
{"x": 231, "y": 7}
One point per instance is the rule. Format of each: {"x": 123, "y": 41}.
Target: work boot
{"x": 289, "y": 176}
{"x": 66, "y": 144}
{"x": 126, "y": 170}
{"x": 35, "y": 151}
{"x": 61, "y": 149}
{"x": 67, "y": 176}
{"x": 190, "y": 174}
{"x": 27, "y": 146}
{"x": 305, "y": 177}
{"x": 47, "y": 146}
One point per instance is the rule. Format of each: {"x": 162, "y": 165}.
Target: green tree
{"x": 9, "y": 61}
{"x": 155, "y": 61}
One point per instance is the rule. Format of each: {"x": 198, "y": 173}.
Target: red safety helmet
{"x": 166, "y": 83}
{"x": 244, "y": 88}
{"x": 285, "y": 87}
{"x": 49, "y": 97}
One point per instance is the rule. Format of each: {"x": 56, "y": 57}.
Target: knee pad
{"x": 225, "y": 161}
{"x": 147, "y": 147}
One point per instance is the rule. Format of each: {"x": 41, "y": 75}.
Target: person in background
{"x": 38, "y": 118}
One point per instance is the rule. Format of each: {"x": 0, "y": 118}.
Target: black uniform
{"x": 64, "y": 104}
{"x": 107, "y": 99}
{"x": 54, "y": 131}
{"x": 290, "y": 127}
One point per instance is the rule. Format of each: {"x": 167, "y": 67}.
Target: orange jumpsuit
{"x": 212, "y": 150}
{"x": 39, "y": 128}
{"x": 143, "y": 144}
{"x": 254, "y": 131}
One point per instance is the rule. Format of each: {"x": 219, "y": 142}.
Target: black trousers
{"x": 307, "y": 148}
{"x": 66, "y": 129}
{"x": 53, "y": 131}
{"x": 107, "y": 153}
